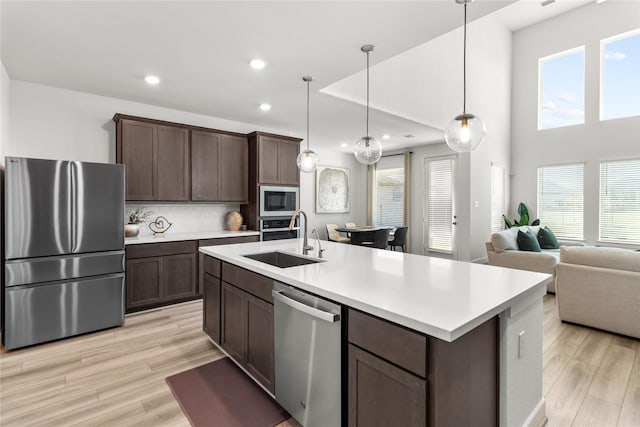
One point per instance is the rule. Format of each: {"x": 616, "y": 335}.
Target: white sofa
{"x": 600, "y": 287}
{"x": 503, "y": 251}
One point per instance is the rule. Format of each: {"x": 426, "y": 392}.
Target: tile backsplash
{"x": 185, "y": 218}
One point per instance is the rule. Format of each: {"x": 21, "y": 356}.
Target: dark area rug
{"x": 221, "y": 394}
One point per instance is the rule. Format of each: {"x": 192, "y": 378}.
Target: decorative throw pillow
{"x": 547, "y": 239}
{"x": 528, "y": 242}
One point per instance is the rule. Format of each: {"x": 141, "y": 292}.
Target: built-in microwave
{"x": 278, "y": 201}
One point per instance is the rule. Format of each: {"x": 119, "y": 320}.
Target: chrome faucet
{"x": 320, "y": 250}
{"x": 305, "y": 243}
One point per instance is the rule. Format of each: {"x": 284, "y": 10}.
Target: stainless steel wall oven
{"x": 278, "y": 229}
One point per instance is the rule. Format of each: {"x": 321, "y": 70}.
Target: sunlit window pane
{"x": 561, "y": 86}
{"x": 620, "y": 79}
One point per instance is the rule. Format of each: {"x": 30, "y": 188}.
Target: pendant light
{"x": 465, "y": 131}
{"x": 307, "y": 160}
{"x": 368, "y": 150}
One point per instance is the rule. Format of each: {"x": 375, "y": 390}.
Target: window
{"x": 439, "y": 204}
{"x": 561, "y": 89}
{"x": 389, "y": 192}
{"x": 620, "y": 201}
{"x": 497, "y": 198}
{"x": 620, "y": 76}
{"x": 561, "y": 199}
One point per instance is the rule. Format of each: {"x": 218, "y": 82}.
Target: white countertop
{"x": 436, "y": 296}
{"x": 174, "y": 237}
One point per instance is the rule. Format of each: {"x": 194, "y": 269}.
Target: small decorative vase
{"x": 131, "y": 230}
{"x": 233, "y": 221}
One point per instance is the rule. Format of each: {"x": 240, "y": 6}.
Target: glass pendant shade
{"x": 465, "y": 132}
{"x": 307, "y": 161}
{"x": 368, "y": 150}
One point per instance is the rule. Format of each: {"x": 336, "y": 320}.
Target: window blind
{"x": 439, "y": 201}
{"x": 389, "y": 197}
{"x": 497, "y": 198}
{"x": 620, "y": 201}
{"x": 561, "y": 199}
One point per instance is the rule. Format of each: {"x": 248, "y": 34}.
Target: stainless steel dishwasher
{"x": 308, "y": 356}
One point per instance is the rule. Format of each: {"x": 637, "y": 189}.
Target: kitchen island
{"x": 461, "y": 343}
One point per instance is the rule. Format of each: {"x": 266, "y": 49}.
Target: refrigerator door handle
{"x": 73, "y": 208}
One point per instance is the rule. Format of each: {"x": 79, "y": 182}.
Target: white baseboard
{"x": 538, "y": 417}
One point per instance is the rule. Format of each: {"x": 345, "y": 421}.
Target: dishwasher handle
{"x": 311, "y": 311}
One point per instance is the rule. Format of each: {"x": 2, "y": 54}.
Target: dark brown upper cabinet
{"x": 156, "y": 158}
{"x": 219, "y": 164}
{"x": 274, "y": 158}
{"x": 175, "y": 162}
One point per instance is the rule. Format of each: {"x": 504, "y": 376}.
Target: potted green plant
{"x": 138, "y": 216}
{"x": 524, "y": 218}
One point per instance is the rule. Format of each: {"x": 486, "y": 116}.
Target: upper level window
{"x": 561, "y": 199}
{"x": 620, "y": 76}
{"x": 561, "y": 89}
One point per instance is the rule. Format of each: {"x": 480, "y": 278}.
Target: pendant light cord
{"x": 464, "y": 64}
{"x": 308, "y": 83}
{"x": 368, "y": 97}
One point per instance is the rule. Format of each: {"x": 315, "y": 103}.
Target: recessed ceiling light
{"x": 344, "y": 145}
{"x": 257, "y": 64}
{"x": 386, "y": 136}
{"x": 152, "y": 80}
{"x": 265, "y": 107}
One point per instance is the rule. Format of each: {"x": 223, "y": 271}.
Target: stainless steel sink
{"x": 282, "y": 259}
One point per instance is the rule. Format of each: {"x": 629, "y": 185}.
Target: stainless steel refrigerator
{"x": 63, "y": 249}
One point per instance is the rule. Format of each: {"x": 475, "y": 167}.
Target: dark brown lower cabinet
{"x": 247, "y": 332}
{"x": 260, "y": 352}
{"x": 179, "y": 276}
{"x": 144, "y": 282}
{"x": 160, "y": 280}
{"x": 381, "y": 394}
{"x": 398, "y": 376}
{"x": 211, "y": 306}
{"x": 233, "y": 337}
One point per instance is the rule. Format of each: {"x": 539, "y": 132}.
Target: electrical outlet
{"x": 521, "y": 345}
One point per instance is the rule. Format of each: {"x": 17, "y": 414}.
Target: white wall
{"x": 489, "y": 97}
{"x": 55, "y": 123}
{"x": 591, "y": 142}
{"x": 48, "y": 122}
{"x": 358, "y": 192}
{"x": 5, "y": 90}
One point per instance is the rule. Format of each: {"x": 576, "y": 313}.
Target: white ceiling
{"x": 201, "y": 49}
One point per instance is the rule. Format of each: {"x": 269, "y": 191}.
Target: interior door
{"x": 37, "y": 208}
{"x": 98, "y": 207}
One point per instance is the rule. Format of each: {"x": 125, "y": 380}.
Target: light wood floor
{"x": 590, "y": 377}
{"x": 117, "y": 377}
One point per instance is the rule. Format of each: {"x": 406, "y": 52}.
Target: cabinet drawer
{"x": 211, "y": 266}
{"x": 228, "y": 240}
{"x": 161, "y": 249}
{"x": 394, "y": 343}
{"x": 248, "y": 281}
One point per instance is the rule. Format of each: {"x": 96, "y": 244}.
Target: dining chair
{"x": 334, "y": 236}
{"x": 380, "y": 239}
{"x": 362, "y": 238}
{"x": 399, "y": 239}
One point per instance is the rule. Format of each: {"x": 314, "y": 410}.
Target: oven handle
{"x": 311, "y": 311}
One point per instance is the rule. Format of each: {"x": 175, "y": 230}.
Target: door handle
{"x": 311, "y": 311}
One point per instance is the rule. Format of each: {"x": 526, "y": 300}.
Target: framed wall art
{"x": 332, "y": 189}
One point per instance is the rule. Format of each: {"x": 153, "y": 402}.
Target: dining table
{"x": 365, "y": 230}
